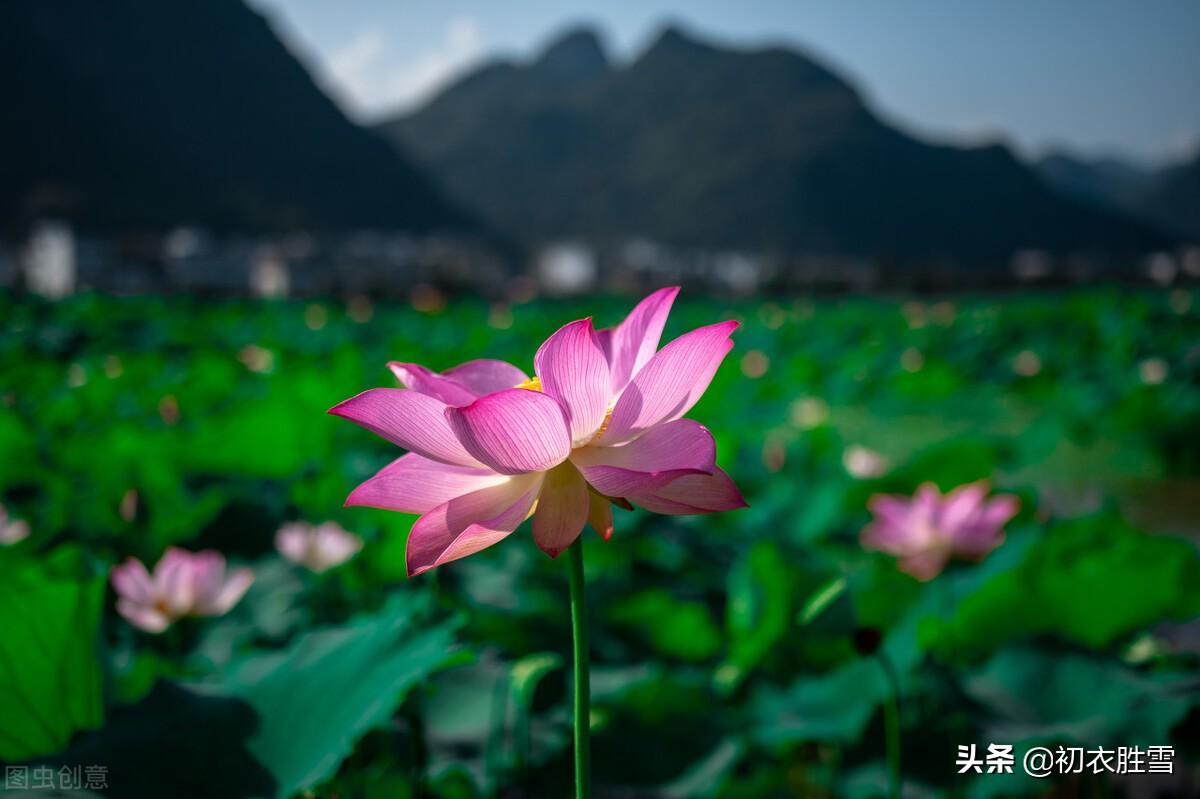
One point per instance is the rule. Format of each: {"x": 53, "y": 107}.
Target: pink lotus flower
{"x": 318, "y": 547}
{"x": 600, "y": 423}
{"x": 183, "y": 584}
{"x": 12, "y": 530}
{"x": 926, "y": 530}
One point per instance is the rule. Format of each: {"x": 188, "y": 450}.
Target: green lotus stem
{"x": 493, "y": 749}
{"x": 891, "y": 725}
{"x": 582, "y": 707}
{"x": 417, "y": 746}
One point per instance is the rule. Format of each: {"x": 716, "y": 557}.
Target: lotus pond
{"x": 753, "y": 653}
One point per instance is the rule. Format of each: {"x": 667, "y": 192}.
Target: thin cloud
{"x": 374, "y": 78}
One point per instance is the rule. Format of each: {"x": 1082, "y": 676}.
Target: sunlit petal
{"x": 408, "y": 419}
{"x": 572, "y": 369}
{"x": 513, "y": 432}
{"x": 486, "y": 376}
{"x": 562, "y": 509}
{"x": 670, "y": 384}
{"x": 415, "y": 484}
{"x": 418, "y": 378}
{"x": 634, "y": 341}
{"x": 693, "y": 494}
{"x": 466, "y": 524}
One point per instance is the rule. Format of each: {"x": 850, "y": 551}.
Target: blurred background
{"x": 963, "y": 241}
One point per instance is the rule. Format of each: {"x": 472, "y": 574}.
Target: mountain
{"x": 1168, "y": 197}
{"x": 1111, "y": 182}
{"x": 699, "y": 145}
{"x": 1174, "y": 199}
{"x": 143, "y": 114}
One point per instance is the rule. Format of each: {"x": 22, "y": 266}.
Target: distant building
{"x": 1031, "y": 265}
{"x": 1191, "y": 261}
{"x": 269, "y": 277}
{"x": 566, "y": 268}
{"x": 1161, "y": 268}
{"x": 49, "y": 260}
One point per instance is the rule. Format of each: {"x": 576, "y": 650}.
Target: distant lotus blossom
{"x": 12, "y": 530}
{"x": 911, "y": 360}
{"x": 1180, "y": 301}
{"x": 809, "y": 412}
{"x": 183, "y": 584}
{"x": 755, "y": 364}
{"x": 600, "y": 423}
{"x": 1153, "y": 371}
{"x": 318, "y": 547}
{"x": 863, "y": 463}
{"x": 924, "y": 531}
{"x": 1027, "y": 363}
{"x": 257, "y": 359}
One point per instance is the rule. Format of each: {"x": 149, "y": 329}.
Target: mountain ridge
{"x": 696, "y": 144}
{"x": 1167, "y": 195}
{"x": 145, "y": 115}
{"x": 1174, "y": 198}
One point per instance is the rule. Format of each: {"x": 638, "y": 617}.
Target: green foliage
{"x": 275, "y": 723}
{"x": 1089, "y": 582}
{"x": 527, "y": 672}
{"x": 830, "y": 707}
{"x": 271, "y": 608}
{"x": 50, "y": 682}
{"x": 690, "y": 633}
{"x": 1055, "y": 697}
{"x": 147, "y": 754}
{"x": 727, "y": 648}
{"x": 707, "y": 777}
{"x": 327, "y": 689}
{"x": 821, "y": 600}
{"x": 757, "y": 611}
{"x": 524, "y": 677}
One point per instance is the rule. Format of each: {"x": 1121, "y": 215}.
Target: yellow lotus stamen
{"x": 604, "y": 424}
{"x": 535, "y": 384}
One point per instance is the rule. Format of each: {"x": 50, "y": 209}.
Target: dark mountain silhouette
{"x": 1174, "y": 199}
{"x": 694, "y": 144}
{"x": 143, "y": 114}
{"x": 1168, "y": 196}
{"x": 1109, "y": 181}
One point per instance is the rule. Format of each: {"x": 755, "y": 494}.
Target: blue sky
{"x": 1095, "y": 76}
